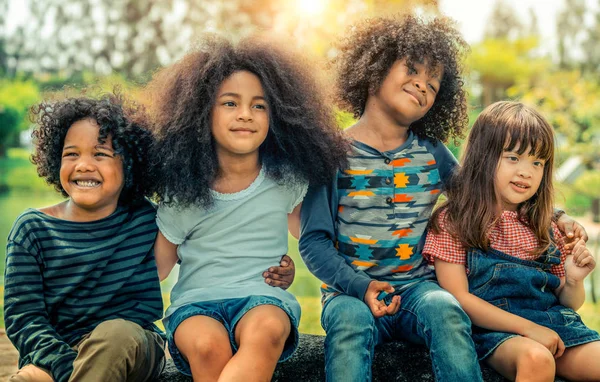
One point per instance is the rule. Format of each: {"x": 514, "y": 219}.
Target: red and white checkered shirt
{"x": 508, "y": 235}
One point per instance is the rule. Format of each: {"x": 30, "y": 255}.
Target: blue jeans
{"x": 428, "y": 315}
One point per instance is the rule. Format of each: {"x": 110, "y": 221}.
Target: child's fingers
{"x": 560, "y": 348}
{"x": 394, "y": 306}
{"x": 284, "y": 271}
{"x": 588, "y": 261}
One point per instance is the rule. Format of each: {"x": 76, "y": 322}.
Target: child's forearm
{"x": 488, "y": 316}
{"x": 165, "y": 254}
{"x": 572, "y": 294}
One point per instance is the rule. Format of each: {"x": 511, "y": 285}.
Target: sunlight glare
{"x": 310, "y": 7}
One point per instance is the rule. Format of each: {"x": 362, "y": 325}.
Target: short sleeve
{"x": 443, "y": 246}
{"x": 559, "y": 240}
{"x": 297, "y": 193}
{"x": 171, "y": 221}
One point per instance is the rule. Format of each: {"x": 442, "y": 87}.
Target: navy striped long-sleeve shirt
{"x": 63, "y": 278}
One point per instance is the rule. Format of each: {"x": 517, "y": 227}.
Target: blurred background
{"x": 546, "y": 53}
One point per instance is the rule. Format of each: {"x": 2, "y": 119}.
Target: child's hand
{"x": 282, "y": 276}
{"x": 572, "y": 230}
{"x": 547, "y": 337}
{"x": 579, "y": 263}
{"x": 378, "y": 307}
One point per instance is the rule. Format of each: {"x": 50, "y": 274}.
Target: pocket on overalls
{"x": 560, "y": 315}
{"x": 501, "y": 303}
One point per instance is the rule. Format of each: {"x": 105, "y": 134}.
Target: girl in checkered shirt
{"x": 497, "y": 250}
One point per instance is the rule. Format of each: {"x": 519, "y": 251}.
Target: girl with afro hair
{"x": 241, "y": 131}
{"x": 81, "y": 287}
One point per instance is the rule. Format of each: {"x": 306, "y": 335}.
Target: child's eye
{"x": 433, "y": 89}
{"x": 512, "y": 158}
{"x": 412, "y": 70}
{"x": 69, "y": 155}
{"x": 260, "y": 106}
{"x": 229, "y": 103}
{"x": 538, "y": 163}
{"x": 99, "y": 154}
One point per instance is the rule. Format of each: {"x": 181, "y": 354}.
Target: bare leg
{"x": 31, "y": 373}
{"x": 522, "y": 359}
{"x": 261, "y": 335}
{"x": 204, "y": 343}
{"x": 580, "y": 363}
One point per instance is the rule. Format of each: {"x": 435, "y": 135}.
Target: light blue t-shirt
{"x": 225, "y": 249}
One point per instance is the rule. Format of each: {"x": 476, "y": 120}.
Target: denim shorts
{"x": 228, "y": 312}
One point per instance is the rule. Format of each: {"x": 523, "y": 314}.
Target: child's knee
{"x": 118, "y": 335}
{"x": 537, "y": 360}
{"x": 270, "y": 330}
{"x": 207, "y": 346}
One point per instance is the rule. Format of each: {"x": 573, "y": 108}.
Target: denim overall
{"x": 525, "y": 288}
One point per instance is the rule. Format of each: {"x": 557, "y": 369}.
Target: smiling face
{"x": 408, "y": 91}
{"x": 240, "y": 116}
{"x": 90, "y": 172}
{"x": 518, "y": 177}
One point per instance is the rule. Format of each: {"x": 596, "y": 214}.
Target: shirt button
{"x": 387, "y": 160}
{"x": 388, "y": 200}
{"x": 388, "y": 181}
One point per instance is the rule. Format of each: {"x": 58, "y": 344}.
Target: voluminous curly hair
{"x": 302, "y": 144}
{"x": 371, "y": 47}
{"x": 111, "y": 112}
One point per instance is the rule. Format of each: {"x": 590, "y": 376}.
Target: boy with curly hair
{"x": 81, "y": 284}
{"x": 362, "y": 236}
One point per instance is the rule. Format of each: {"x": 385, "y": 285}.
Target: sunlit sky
{"x": 471, "y": 15}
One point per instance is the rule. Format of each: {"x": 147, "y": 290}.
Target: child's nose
{"x": 85, "y": 165}
{"x": 420, "y": 85}
{"x": 524, "y": 172}
{"x": 244, "y": 114}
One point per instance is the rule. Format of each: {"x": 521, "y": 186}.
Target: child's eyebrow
{"x": 104, "y": 148}
{"x": 235, "y": 95}
{"x": 69, "y": 147}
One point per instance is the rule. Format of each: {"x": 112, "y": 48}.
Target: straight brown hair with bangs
{"x": 473, "y": 204}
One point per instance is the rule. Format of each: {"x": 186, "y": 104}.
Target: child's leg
{"x": 580, "y": 363}
{"x": 31, "y": 373}
{"x": 118, "y": 350}
{"x": 432, "y": 316}
{"x": 204, "y": 343}
{"x": 351, "y": 338}
{"x": 261, "y": 335}
{"x": 523, "y": 359}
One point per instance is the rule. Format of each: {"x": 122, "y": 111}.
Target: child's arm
{"x": 453, "y": 278}
{"x": 26, "y": 318}
{"x": 572, "y": 230}
{"x": 578, "y": 264}
{"x": 294, "y": 222}
{"x": 317, "y": 244}
{"x": 165, "y": 253}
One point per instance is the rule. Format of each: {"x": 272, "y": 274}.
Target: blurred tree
{"x": 500, "y": 63}
{"x": 571, "y": 103}
{"x": 503, "y": 22}
{"x": 15, "y": 99}
{"x": 570, "y": 28}
{"x": 3, "y": 58}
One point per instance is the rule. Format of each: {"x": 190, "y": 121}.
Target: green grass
{"x": 18, "y": 174}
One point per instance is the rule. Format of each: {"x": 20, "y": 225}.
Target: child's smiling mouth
{"x": 87, "y": 183}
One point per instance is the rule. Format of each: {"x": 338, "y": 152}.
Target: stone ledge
{"x": 397, "y": 361}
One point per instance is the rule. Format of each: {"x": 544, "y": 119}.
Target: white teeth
{"x": 87, "y": 183}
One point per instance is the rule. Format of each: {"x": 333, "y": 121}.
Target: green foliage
{"x": 17, "y": 173}
{"x": 503, "y": 61}
{"x": 16, "y": 97}
{"x": 571, "y": 103}
{"x": 344, "y": 119}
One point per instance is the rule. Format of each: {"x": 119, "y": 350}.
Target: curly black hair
{"x": 114, "y": 115}
{"x": 371, "y": 47}
{"x": 303, "y": 142}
